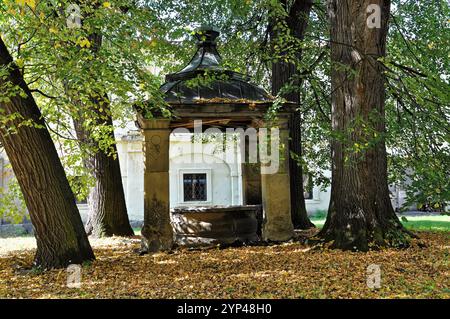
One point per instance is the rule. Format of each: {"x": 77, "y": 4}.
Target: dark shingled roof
{"x": 227, "y": 86}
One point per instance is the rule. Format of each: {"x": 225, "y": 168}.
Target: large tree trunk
{"x": 284, "y": 73}
{"x": 60, "y": 236}
{"x": 360, "y": 215}
{"x": 107, "y": 214}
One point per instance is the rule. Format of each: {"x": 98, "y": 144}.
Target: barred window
{"x": 194, "y": 187}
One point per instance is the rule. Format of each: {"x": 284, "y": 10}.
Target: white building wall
{"x": 131, "y": 160}
{"x": 320, "y": 200}
{"x": 219, "y": 186}
{"x": 224, "y": 176}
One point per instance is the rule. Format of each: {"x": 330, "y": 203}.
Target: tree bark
{"x": 284, "y": 73}
{"x": 107, "y": 214}
{"x": 59, "y": 232}
{"x": 360, "y": 215}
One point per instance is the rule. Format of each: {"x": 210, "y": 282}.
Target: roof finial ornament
{"x": 222, "y": 84}
{"x": 206, "y": 35}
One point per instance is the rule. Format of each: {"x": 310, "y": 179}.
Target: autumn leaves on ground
{"x": 290, "y": 270}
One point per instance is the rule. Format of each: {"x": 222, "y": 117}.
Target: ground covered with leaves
{"x": 281, "y": 271}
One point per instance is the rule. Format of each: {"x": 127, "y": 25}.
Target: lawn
{"x": 428, "y": 223}
{"x": 416, "y": 223}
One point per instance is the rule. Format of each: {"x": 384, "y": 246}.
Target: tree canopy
{"x": 143, "y": 40}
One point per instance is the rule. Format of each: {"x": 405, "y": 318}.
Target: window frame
{"x": 181, "y": 173}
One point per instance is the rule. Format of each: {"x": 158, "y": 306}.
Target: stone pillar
{"x": 275, "y": 186}
{"x": 157, "y": 233}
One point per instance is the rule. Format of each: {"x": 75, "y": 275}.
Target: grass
{"x": 319, "y": 218}
{"x": 427, "y": 223}
{"x": 415, "y": 223}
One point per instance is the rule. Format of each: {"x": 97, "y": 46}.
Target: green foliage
{"x": 12, "y": 204}
{"x": 320, "y": 214}
{"x": 418, "y": 109}
{"x": 206, "y": 79}
{"x": 312, "y": 81}
{"x": 72, "y": 77}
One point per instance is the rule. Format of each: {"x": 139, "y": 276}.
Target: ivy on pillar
{"x": 157, "y": 233}
{"x": 275, "y": 186}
